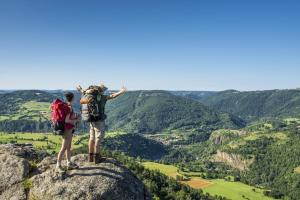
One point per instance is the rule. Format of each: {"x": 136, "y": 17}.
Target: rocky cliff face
{"x": 222, "y": 136}
{"x": 21, "y": 180}
{"x": 232, "y": 160}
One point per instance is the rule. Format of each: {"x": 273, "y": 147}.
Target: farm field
{"x": 229, "y": 189}
{"x": 235, "y": 190}
{"x": 30, "y": 110}
{"x": 47, "y": 141}
{"x": 297, "y": 170}
{"x": 43, "y": 141}
{"x": 289, "y": 121}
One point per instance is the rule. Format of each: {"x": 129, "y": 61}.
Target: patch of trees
{"x": 274, "y": 165}
{"x": 136, "y": 145}
{"x": 25, "y": 126}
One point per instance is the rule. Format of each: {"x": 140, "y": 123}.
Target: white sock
{"x": 58, "y": 164}
{"x": 68, "y": 162}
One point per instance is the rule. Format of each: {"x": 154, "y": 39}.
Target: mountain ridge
{"x": 253, "y": 105}
{"x": 136, "y": 111}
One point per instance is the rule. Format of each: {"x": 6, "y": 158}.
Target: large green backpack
{"x": 91, "y": 111}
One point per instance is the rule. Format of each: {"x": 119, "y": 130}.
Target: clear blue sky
{"x": 150, "y": 44}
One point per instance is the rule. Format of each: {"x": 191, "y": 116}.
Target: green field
{"x": 235, "y": 190}
{"x": 279, "y": 136}
{"x": 47, "y": 141}
{"x": 169, "y": 170}
{"x": 229, "y": 189}
{"x": 30, "y": 110}
{"x": 297, "y": 170}
{"x": 289, "y": 121}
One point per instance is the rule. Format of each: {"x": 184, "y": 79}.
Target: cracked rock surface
{"x": 108, "y": 180}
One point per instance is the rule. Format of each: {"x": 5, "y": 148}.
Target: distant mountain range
{"x": 252, "y": 105}
{"x": 138, "y": 112}
{"x": 154, "y": 111}
{"x": 5, "y": 91}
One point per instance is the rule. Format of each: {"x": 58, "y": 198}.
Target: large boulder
{"x": 20, "y": 150}
{"x": 13, "y": 171}
{"x": 109, "y": 180}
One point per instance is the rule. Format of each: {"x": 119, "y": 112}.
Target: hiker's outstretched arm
{"x": 79, "y": 88}
{"x": 114, "y": 95}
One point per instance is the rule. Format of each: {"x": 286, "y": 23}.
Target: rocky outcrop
{"x": 220, "y": 139}
{"x": 107, "y": 180}
{"x": 230, "y": 159}
{"x": 221, "y": 136}
{"x": 21, "y": 150}
{"x": 13, "y": 170}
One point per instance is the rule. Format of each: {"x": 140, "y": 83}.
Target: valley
{"x": 221, "y": 187}
{"x": 227, "y": 188}
{"x": 188, "y": 136}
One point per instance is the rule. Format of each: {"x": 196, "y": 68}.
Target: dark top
{"x": 101, "y": 104}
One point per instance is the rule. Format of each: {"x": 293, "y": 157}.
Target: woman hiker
{"x": 71, "y": 119}
{"x": 97, "y": 124}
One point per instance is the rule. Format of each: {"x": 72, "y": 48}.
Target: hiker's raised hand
{"x": 114, "y": 95}
{"x": 123, "y": 89}
{"x": 79, "y": 88}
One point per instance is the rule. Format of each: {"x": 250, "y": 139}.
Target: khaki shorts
{"x": 97, "y": 130}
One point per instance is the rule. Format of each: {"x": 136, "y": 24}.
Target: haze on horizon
{"x": 170, "y": 45}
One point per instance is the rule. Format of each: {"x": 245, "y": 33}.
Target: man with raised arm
{"x": 93, "y": 111}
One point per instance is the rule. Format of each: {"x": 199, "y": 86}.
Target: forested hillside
{"x": 136, "y": 112}
{"x": 253, "y": 105}
{"x": 154, "y": 111}
{"x": 275, "y": 154}
{"x": 197, "y": 95}
{"x": 265, "y": 154}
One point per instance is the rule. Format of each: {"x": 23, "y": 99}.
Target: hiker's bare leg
{"x": 91, "y": 149}
{"x": 97, "y": 145}
{"x": 62, "y": 151}
{"x": 99, "y": 132}
{"x": 60, "y": 155}
{"x": 68, "y": 149}
{"x": 92, "y": 138}
{"x": 91, "y": 145}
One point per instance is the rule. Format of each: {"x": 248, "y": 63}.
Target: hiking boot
{"x": 98, "y": 158}
{"x": 72, "y": 166}
{"x": 91, "y": 157}
{"x": 59, "y": 169}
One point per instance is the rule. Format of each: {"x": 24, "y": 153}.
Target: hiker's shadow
{"x": 96, "y": 171}
{"x": 100, "y": 168}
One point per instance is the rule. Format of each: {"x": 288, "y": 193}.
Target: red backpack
{"x": 59, "y": 111}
